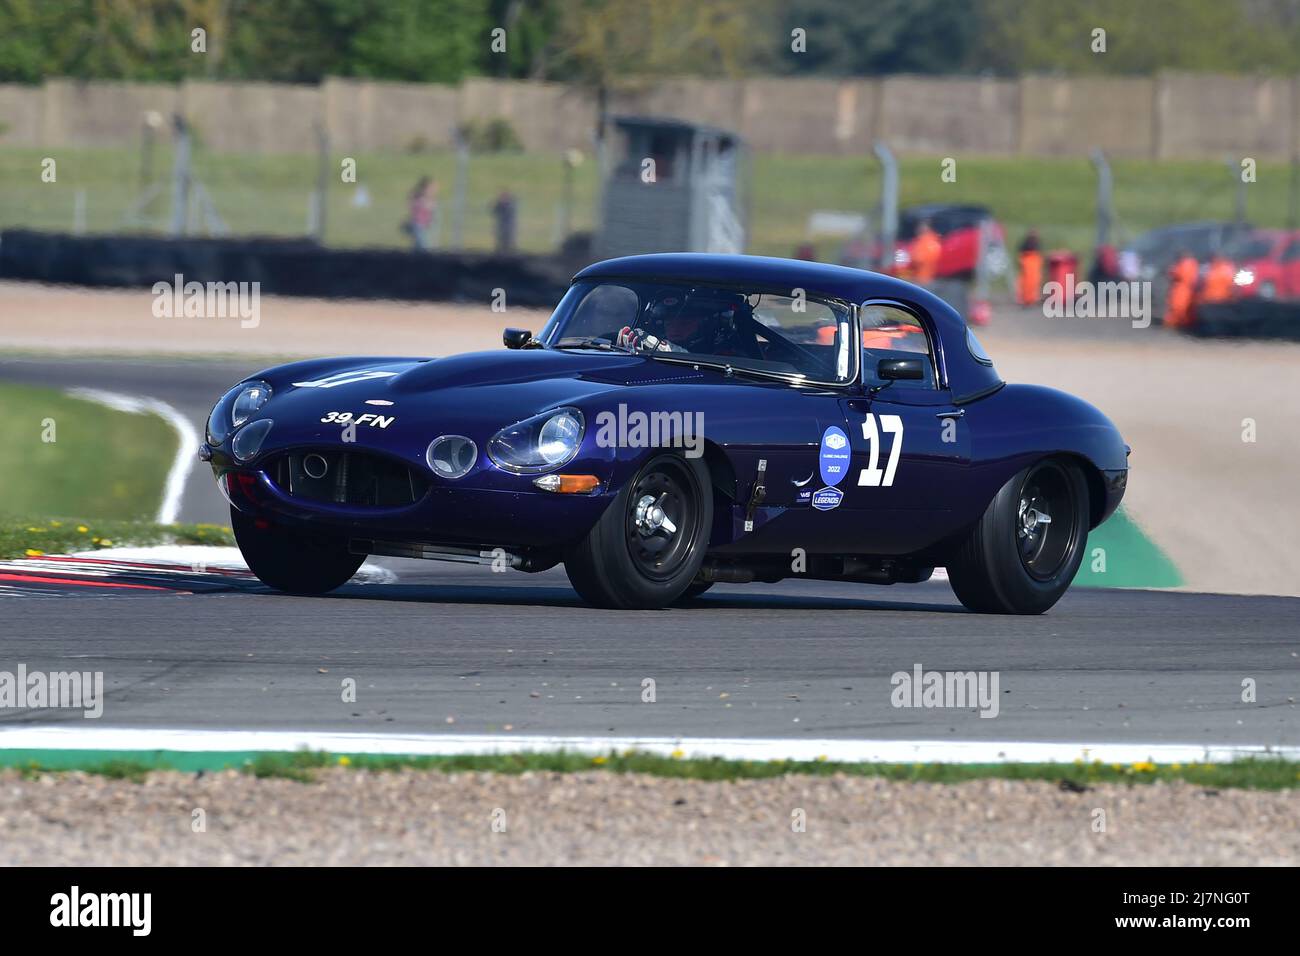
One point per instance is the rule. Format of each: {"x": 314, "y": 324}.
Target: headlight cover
{"x": 236, "y": 407}
{"x": 540, "y": 443}
{"x": 451, "y": 456}
{"x": 251, "y": 397}
{"x": 248, "y": 441}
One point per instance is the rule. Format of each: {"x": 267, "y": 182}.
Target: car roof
{"x": 933, "y": 208}
{"x": 965, "y": 375}
{"x": 838, "y": 282}
{"x": 1207, "y": 225}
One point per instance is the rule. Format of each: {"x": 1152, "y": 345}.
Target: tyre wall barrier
{"x": 1249, "y": 318}
{"x": 282, "y": 267}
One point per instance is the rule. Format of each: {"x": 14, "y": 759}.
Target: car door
{"x": 789, "y": 442}
{"x": 910, "y": 444}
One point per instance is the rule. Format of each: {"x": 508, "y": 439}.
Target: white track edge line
{"x": 843, "y": 751}
{"x": 179, "y": 472}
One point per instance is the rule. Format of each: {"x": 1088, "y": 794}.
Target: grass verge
{"x": 65, "y": 456}
{"x": 1121, "y": 555}
{"x": 302, "y": 766}
{"x": 93, "y": 474}
{"x": 32, "y": 538}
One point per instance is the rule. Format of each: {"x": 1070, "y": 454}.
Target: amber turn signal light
{"x": 568, "y": 484}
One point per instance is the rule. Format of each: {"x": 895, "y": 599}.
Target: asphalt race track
{"x": 467, "y": 650}
{"x": 449, "y": 648}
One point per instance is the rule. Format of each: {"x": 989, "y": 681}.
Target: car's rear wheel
{"x": 289, "y": 561}
{"x": 1026, "y": 549}
{"x": 647, "y": 547}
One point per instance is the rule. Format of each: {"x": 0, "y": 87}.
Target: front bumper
{"x": 512, "y": 513}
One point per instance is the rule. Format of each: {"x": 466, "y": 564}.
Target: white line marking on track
{"x": 162, "y": 559}
{"x": 185, "y": 454}
{"x": 841, "y": 751}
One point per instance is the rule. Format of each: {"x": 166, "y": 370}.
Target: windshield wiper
{"x": 727, "y": 369}
{"x": 598, "y": 343}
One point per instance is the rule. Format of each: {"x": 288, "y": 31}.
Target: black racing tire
{"x": 1011, "y": 562}
{"x": 293, "y": 562}
{"x": 625, "y": 561}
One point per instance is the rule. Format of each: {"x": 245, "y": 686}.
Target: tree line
{"x": 602, "y": 43}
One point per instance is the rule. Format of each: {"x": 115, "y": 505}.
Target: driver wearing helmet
{"x": 706, "y": 327}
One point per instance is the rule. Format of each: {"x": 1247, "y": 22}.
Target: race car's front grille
{"x": 347, "y": 478}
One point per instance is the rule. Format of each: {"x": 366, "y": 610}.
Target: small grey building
{"x": 673, "y": 186}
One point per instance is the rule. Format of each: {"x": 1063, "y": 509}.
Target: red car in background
{"x": 958, "y": 228}
{"x": 1268, "y": 264}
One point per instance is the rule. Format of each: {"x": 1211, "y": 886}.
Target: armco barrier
{"x": 283, "y": 267}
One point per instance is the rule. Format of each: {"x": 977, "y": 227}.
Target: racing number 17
{"x": 872, "y": 475}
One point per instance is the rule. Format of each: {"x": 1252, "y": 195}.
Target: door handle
{"x": 955, "y": 413}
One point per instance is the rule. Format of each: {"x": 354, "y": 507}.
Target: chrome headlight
{"x": 539, "y": 443}
{"x": 236, "y": 407}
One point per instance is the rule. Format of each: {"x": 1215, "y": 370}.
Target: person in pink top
{"x": 422, "y": 211}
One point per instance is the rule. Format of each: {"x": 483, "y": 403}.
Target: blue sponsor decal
{"x": 835, "y": 455}
{"x": 827, "y": 499}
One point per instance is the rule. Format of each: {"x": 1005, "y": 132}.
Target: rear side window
{"x": 977, "y": 350}
{"x": 893, "y": 332}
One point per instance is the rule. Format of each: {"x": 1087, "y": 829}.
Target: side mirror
{"x": 893, "y": 370}
{"x": 516, "y": 338}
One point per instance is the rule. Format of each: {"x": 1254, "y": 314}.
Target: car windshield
{"x": 942, "y": 220}
{"x": 1252, "y": 247}
{"x": 791, "y": 336}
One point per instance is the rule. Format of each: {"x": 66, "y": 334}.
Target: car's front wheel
{"x": 1021, "y": 556}
{"x": 647, "y": 547}
{"x": 289, "y": 561}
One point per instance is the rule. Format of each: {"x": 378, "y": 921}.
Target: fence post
{"x": 459, "y": 190}
{"x": 1104, "y": 193}
{"x": 322, "y": 182}
{"x": 180, "y": 176}
{"x": 888, "y": 203}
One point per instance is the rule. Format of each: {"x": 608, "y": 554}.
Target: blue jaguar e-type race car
{"x": 681, "y": 420}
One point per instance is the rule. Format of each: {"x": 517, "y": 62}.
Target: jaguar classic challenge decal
{"x": 833, "y": 462}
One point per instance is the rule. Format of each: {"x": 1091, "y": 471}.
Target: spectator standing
{"x": 925, "y": 254}
{"x": 1029, "y": 288}
{"x": 1182, "y": 286}
{"x": 1218, "y": 284}
{"x": 422, "y": 213}
{"x": 505, "y": 214}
